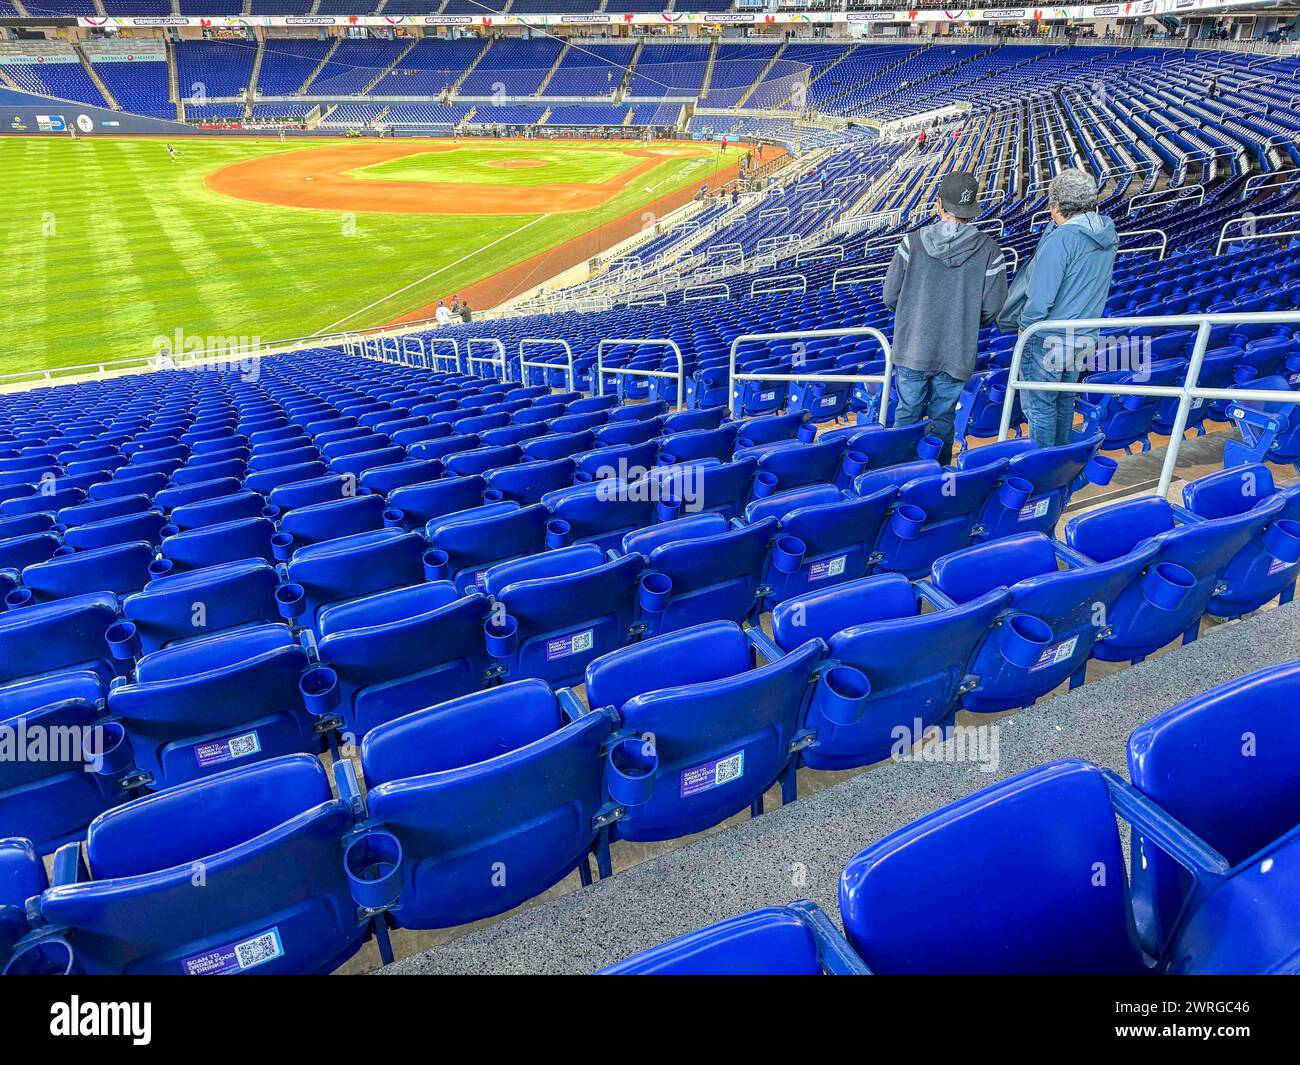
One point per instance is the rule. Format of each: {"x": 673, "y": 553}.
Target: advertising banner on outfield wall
{"x": 1079, "y": 13}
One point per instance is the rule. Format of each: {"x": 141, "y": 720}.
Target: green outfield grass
{"x": 586, "y": 166}
{"x": 110, "y": 244}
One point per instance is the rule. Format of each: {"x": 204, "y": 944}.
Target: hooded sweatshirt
{"x": 1068, "y": 277}
{"x": 943, "y": 284}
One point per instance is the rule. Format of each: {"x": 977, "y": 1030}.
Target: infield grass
{"x": 110, "y": 244}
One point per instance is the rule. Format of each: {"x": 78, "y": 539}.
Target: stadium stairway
{"x": 798, "y": 851}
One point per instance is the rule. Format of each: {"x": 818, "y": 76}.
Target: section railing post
{"x": 1184, "y": 406}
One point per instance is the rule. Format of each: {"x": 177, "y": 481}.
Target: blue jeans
{"x": 1050, "y": 414}
{"x": 932, "y": 395}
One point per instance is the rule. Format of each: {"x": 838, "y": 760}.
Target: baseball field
{"x": 111, "y": 245}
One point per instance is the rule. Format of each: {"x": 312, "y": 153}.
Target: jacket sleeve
{"x": 896, "y": 274}
{"x": 1045, "y": 283}
{"x": 995, "y": 287}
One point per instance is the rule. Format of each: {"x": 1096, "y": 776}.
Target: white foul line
{"x": 420, "y": 281}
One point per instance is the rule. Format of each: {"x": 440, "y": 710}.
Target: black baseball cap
{"x": 960, "y": 194}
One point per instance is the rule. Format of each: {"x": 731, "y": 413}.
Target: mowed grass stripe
{"x": 143, "y": 247}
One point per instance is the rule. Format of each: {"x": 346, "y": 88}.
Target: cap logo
{"x": 966, "y": 196}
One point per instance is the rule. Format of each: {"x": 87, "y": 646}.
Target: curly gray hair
{"x": 1072, "y": 192}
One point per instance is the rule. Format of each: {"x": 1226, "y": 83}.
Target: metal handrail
{"x": 432, "y": 355}
{"x": 1165, "y": 196}
{"x": 884, "y": 380}
{"x": 1250, "y": 219}
{"x": 500, "y": 359}
{"x": 1162, "y": 246}
{"x": 693, "y": 294}
{"x": 625, "y": 371}
{"x": 1268, "y": 176}
{"x": 1185, "y": 393}
{"x": 849, "y": 281}
{"x": 776, "y": 284}
{"x": 527, "y": 364}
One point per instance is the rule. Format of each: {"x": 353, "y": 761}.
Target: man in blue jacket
{"x": 1068, "y": 277}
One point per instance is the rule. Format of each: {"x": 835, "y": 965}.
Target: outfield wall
{"x": 24, "y": 113}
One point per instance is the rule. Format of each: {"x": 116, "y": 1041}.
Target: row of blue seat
{"x": 1027, "y": 876}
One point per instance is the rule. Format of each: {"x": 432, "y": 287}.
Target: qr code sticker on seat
{"x": 583, "y": 641}
{"x": 259, "y": 949}
{"x": 242, "y": 746}
{"x": 728, "y": 768}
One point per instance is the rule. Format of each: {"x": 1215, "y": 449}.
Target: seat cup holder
{"x": 1132, "y": 402}
{"x": 854, "y": 463}
{"x": 503, "y": 638}
{"x": 667, "y": 459}
{"x": 1023, "y": 638}
{"x": 557, "y": 533}
{"x": 997, "y": 395}
{"x": 1167, "y": 585}
{"x": 291, "y": 600}
{"x": 1100, "y": 469}
{"x": 655, "y": 593}
{"x": 45, "y": 957}
{"x": 271, "y": 513}
{"x": 63, "y": 551}
{"x": 123, "y": 640}
{"x": 842, "y": 695}
{"x": 630, "y": 769}
{"x": 930, "y": 447}
{"x": 493, "y": 495}
{"x": 393, "y": 518}
{"x": 373, "y": 861}
{"x": 1014, "y": 493}
{"x": 1282, "y": 540}
{"x": 743, "y": 442}
{"x": 765, "y": 483}
{"x": 583, "y": 477}
{"x": 282, "y": 546}
{"x": 669, "y": 509}
{"x": 160, "y": 567}
{"x": 437, "y": 565}
{"x": 107, "y": 749}
{"x": 18, "y": 597}
{"x": 806, "y": 433}
{"x": 166, "y": 531}
{"x": 787, "y": 553}
{"x": 320, "y": 690}
{"x": 906, "y": 521}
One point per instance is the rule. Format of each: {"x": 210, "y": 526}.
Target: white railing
{"x": 1167, "y": 196}
{"x": 1186, "y": 393}
{"x": 493, "y": 360}
{"x": 884, "y": 379}
{"x": 627, "y": 371}
{"x": 778, "y": 283}
{"x": 1261, "y": 181}
{"x": 545, "y": 342}
{"x": 1250, "y": 221}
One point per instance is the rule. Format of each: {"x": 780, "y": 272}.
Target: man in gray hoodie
{"x": 944, "y": 282}
{"x": 1068, "y": 277}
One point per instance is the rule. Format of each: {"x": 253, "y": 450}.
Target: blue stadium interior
{"x": 489, "y": 624}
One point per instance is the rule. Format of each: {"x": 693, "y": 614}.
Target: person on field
{"x": 442, "y": 314}
{"x": 1068, "y": 277}
{"x": 724, "y": 144}
{"x": 943, "y": 283}
{"x": 466, "y": 315}
{"x": 171, "y": 150}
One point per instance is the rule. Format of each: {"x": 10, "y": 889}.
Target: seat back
{"x": 839, "y": 543}
{"x": 199, "y": 707}
{"x": 202, "y": 602}
{"x": 399, "y": 651}
{"x": 493, "y": 797}
{"x": 948, "y": 504}
{"x": 67, "y": 635}
{"x": 276, "y": 898}
{"x": 1022, "y": 877}
{"x": 722, "y": 729}
{"x": 117, "y": 570}
{"x": 1222, "y": 764}
{"x": 22, "y": 875}
{"x": 915, "y": 662}
{"x": 353, "y": 566}
{"x": 568, "y": 607}
{"x": 482, "y": 537}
